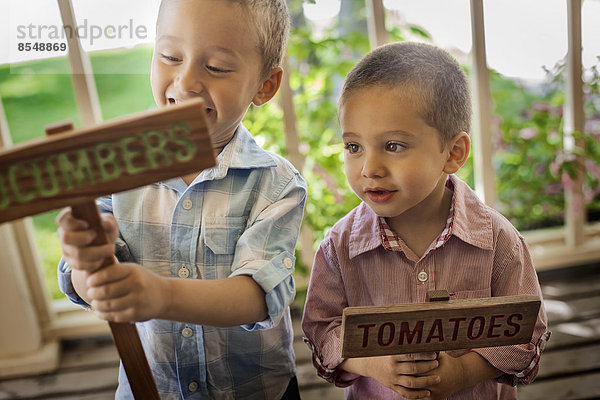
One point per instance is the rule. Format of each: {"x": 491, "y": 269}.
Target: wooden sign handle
{"x": 125, "y": 335}
{"x": 437, "y": 295}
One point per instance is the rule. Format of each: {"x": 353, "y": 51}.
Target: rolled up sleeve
{"x": 322, "y": 320}
{"x": 516, "y": 275}
{"x": 65, "y": 284}
{"x": 265, "y": 250}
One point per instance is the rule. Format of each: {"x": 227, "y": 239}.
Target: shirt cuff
{"x": 525, "y": 376}
{"x": 337, "y": 376}
{"x": 65, "y": 284}
{"x": 275, "y": 278}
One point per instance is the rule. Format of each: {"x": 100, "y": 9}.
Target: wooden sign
{"x": 73, "y": 167}
{"x": 438, "y": 325}
{"x": 80, "y": 165}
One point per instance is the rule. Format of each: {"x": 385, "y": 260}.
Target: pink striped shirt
{"x": 479, "y": 254}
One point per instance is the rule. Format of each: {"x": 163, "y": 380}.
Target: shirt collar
{"x": 471, "y": 222}
{"x": 472, "y": 218}
{"x": 242, "y": 152}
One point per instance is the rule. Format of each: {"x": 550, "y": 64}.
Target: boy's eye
{"x": 170, "y": 58}
{"x": 352, "y": 147}
{"x": 394, "y": 147}
{"x": 217, "y": 69}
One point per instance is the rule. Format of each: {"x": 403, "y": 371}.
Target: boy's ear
{"x": 269, "y": 87}
{"x": 458, "y": 152}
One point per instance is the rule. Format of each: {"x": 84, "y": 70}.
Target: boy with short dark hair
{"x": 405, "y": 111}
{"x": 207, "y": 258}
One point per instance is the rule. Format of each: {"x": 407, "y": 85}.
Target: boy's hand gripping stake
{"x": 72, "y": 168}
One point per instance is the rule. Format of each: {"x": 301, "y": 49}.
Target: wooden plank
{"x": 570, "y": 388}
{"x": 572, "y": 310}
{"x": 570, "y": 361}
{"x": 54, "y": 385}
{"x": 456, "y": 324}
{"x": 90, "y": 352}
{"x": 558, "y": 290}
{"x": 569, "y": 334}
{"x": 96, "y": 395}
{"x": 78, "y": 166}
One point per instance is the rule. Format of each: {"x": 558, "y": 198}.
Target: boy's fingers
{"x": 125, "y": 315}
{"x": 76, "y": 237}
{"x": 106, "y": 294}
{"x": 89, "y": 266}
{"x": 413, "y": 394}
{"x": 416, "y": 357}
{"x": 65, "y": 220}
{"x": 92, "y": 254}
{"x": 416, "y": 368}
{"x": 417, "y": 382}
{"x": 111, "y": 305}
{"x": 110, "y": 226}
{"x": 107, "y": 275}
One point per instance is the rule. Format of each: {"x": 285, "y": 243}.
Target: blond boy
{"x": 208, "y": 257}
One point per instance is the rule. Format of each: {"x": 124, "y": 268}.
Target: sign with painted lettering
{"x": 438, "y": 325}
{"x": 81, "y": 165}
{"x": 73, "y": 167}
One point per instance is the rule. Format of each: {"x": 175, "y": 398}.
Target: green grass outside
{"x": 37, "y": 93}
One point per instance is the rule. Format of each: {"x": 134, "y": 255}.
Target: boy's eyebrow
{"x": 398, "y": 132}
{"x": 177, "y": 39}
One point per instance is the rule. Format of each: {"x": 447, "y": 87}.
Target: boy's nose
{"x": 189, "y": 80}
{"x": 373, "y": 166}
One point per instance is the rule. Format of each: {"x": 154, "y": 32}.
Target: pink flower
{"x": 592, "y": 168}
{"x": 528, "y": 133}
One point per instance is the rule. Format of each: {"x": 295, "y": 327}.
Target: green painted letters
{"x": 38, "y": 175}
{"x": 79, "y": 172}
{"x": 187, "y": 145}
{"x": 107, "y": 164}
{"x": 14, "y": 186}
{"x": 129, "y": 155}
{"x": 4, "y": 200}
{"x": 155, "y": 143}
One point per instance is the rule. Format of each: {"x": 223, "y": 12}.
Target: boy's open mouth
{"x": 379, "y": 195}
{"x": 208, "y": 109}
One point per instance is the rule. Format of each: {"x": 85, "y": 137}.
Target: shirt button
{"x": 193, "y": 386}
{"x": 422, "y": 276}
{"x": 183, "y": 272}
{"x": 187, "y": 204}
{"x": 288, "y": 263}
{"x": 187, "y": 333}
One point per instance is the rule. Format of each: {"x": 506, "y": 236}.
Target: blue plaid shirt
{"x": 241, "y": 217}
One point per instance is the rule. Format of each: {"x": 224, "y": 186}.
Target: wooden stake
{"x": 125, "y": 335}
